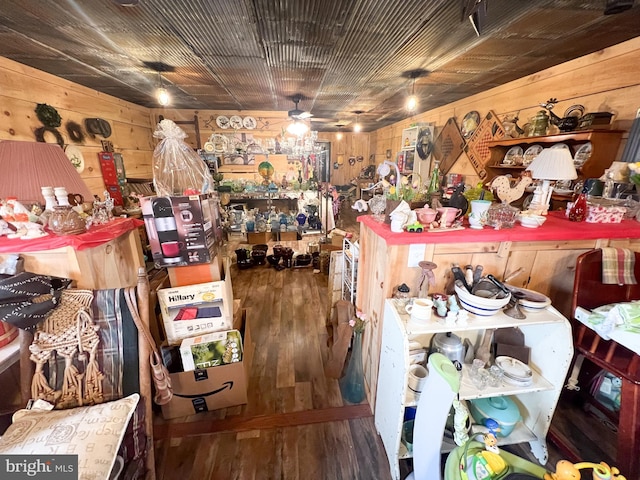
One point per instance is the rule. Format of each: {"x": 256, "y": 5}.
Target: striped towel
{"x": 618, "y": 266}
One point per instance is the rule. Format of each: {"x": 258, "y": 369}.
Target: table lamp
{"x": 384, "y": 169}
{"x": 550, "y": 165}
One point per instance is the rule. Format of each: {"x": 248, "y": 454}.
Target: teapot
{"x": 450, "y": 345}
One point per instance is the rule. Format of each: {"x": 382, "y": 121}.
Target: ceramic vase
{"x": 478, "y": 215}
{"x": 352, "y": 384}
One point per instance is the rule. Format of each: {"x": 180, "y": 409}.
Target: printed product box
{"x": 602, "y": 214}
{"x": 201, "y": 273}
{"x": 182, "y": 230}
{"x": 211, "y": 350}
{"x": 211, "y": 388}
{"x": 194, "y": 310}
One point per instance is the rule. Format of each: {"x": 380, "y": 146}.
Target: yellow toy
{"x": 566, "y": 470}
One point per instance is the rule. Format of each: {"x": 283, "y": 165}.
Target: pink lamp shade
{"x": 553, "y": 164}
{"x": 28, "y": 166}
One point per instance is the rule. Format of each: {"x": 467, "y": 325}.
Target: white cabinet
{"x": 349, "y": 270}
{"x": 547, "y": 334}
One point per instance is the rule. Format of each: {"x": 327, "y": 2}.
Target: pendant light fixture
{"x": 357, "y": 127}
{"x": 162, "y": 94}
{"x": 339, "y": 134}
{"x": 412, "y": 101}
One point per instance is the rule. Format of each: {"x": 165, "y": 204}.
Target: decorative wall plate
{"x": 222, "y": 122}
{"x": 208, "y": 147}
{"x": 513, "y": 156}
{"x": 469, "y": 123}
{"x": 532, "y": 152}
{"x": 574, "y": 111}
{"x": 582, "y": 155}
{"x": 249, "y": 123}
{"x": 75, "y": 156}
{"x": 235, "y": 122}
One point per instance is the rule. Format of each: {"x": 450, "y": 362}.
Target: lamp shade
{"x": 28, "y": 166}
{"x": 553, "y": 164}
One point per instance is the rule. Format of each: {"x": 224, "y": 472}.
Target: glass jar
{"x": 66, "y": 221}
{"x": 502, "y": 215}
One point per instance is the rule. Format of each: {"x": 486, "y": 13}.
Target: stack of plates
{"x": 515, "y": 372}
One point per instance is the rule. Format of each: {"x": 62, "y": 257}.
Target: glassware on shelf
{"x": 502, "y": 215}
{"x": 378, "y": 205}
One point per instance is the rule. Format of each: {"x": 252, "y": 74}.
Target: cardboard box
{"x": 287, "y": 236}
{"x": 192, "y": 274}
{"x": 256, "y": 238}
{"x": 211, "y": 350}
{"x": 337, "y": 237}
{"x": 193, "y": 310}
{"x": 212, "y": 388}
{"x": 182, "y": 230}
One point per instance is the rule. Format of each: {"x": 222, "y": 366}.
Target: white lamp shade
{"x": 553, "y": 164}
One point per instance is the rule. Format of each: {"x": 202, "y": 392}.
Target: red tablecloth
{"x": 557, "y": 227}
{"x": 97, "y": 235}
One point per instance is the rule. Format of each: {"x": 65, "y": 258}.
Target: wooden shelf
{"x": 604, "y": 143}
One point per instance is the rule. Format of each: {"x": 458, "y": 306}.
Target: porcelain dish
{"x": 531, "y": 221}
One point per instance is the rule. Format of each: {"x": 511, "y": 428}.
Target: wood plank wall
{"x": 607, "y": 80}
{"x": 22, "y": 88}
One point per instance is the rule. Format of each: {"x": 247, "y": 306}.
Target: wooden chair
{"x": 27, "y": 368}
{"x": 589, "y": 292}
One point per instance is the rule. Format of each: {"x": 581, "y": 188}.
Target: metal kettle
{"x": 450, "y": 345}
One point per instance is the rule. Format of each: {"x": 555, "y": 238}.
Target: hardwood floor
{"x": 295, "y": 424}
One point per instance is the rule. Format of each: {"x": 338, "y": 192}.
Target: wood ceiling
{"x": 341, "y": 56}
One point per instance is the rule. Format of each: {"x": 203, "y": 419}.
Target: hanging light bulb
{"x": 297, "y": 128}
{"x": 357, "y": 127}
{"x": 339, "y": 134}
{"x": 162, "y": 94}
{"x": 412, "y": 101}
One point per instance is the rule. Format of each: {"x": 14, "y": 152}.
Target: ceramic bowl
{"x": 533, "y": 301}
{"x": 482, "y": 306}
{"x": 531, "y": 221}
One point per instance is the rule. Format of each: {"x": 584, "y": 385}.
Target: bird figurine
{"x": 457, "y": 199}
{"x": 503, "y": 189}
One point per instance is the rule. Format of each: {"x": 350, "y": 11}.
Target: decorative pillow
{"x": 93, "y": 433}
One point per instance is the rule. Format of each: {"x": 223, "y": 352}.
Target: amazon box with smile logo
{"x": 206, "y": 389}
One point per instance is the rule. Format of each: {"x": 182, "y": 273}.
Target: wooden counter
{"x": 542, "y": 259}
{"x": 108, "y": 256}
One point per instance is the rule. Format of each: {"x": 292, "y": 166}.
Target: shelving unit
{"x": 349, "y": 271}
{"x": 604, "y": 144}
{"x": 547, "y": 333}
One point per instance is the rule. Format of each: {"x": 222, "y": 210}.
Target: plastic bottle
{"x": 578, "y": 210}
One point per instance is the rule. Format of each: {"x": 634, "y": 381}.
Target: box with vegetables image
{"x": 211, "y": 350}
{"x": 206, "y": 389}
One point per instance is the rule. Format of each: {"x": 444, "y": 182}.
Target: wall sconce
{"x": 162, "y": 94}
{"x": 357, "y": 127}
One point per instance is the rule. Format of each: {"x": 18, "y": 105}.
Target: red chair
{"x": 589, "y": 292}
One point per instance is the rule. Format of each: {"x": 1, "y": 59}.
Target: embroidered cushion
{"x": 93, "y": 433}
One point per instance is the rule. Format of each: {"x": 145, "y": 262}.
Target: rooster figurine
{"x": 505, "y": 191}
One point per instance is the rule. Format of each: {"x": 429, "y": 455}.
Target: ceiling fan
{"x": 296, "y": 113}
